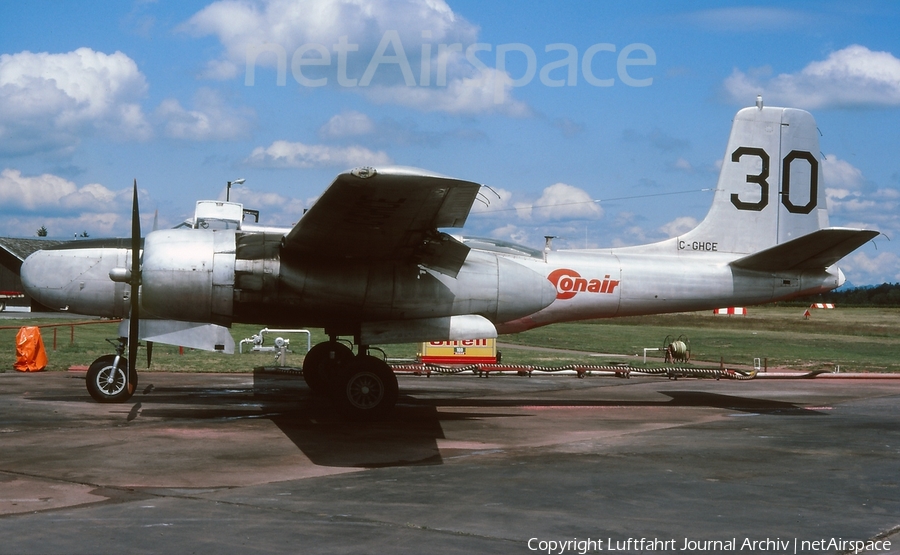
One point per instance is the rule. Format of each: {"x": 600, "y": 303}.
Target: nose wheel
{"x": 107, "y": 381}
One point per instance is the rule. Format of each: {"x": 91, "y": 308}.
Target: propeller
{"x": 134, "y": 317}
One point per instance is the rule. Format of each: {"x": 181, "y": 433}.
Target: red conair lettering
{"x": 568, "y": 282}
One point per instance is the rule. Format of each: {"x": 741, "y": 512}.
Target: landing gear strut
{"x": 362, "y": 387}
{"x": 107, "y": 381}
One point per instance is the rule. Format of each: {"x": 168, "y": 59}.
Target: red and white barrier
{"x": 739, "y": 310}
{"x": 807, "y": 314}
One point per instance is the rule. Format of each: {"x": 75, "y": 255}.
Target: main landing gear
{"x": 107, "y": 381}
{"x": 362, "y": 387}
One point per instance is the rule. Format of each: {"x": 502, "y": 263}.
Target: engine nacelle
{"x": 75, "y": 277}
{"x": 188, "y": 274}
{"x": 220, "y": 277}
{"x": 330, "y": 292}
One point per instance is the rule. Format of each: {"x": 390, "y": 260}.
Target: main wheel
{"x": 367, "y": 389}
{"x": 322, "y": 363}
{"x": 106, "y": 381}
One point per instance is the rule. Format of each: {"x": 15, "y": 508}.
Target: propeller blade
{"x": 149, "y": 353}
{"x": 134, "y": 318}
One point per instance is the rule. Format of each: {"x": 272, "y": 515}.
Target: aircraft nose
{"x": 75, "y": 279}
{"x": 42, "y": 280}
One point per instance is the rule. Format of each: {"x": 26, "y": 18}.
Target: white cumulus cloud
{"x": 50, "y": 193}
{"x": 484, "y": 91}
{"x": 211, "y": 118}
{"x": 841, "y": 174}
{"x": 245, "y": 26}
{"x": 48, "y": 101}
{"x": 276, "y": 209}
{"x": 285, "y": 154}
{"x": 853, "y": 76}
{"x": 347, "y": 124}
{"x": 748, "y": 19}
{"x": 561, "y": 201}
{"x": 861, "y": 268}
{"x": 28, "y": 202}
{"x": 679, "y": 226}
{"x": 844, "y": 186}
{"x": 392, "y": 51}
{"x": 493, "y": 200}
{"x": 682, "y": 164}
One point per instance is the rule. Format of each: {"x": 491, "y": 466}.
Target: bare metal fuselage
{"x": 223, "y": 277}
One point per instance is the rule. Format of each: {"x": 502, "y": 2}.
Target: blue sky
{"x": 94, "y": 95}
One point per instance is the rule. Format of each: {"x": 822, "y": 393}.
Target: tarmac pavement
{"x": 253, "y": 463}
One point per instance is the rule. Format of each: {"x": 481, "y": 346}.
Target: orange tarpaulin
{"x": 30, "y": 353}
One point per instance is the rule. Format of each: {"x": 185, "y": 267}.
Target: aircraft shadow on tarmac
{"x": 677, "y": 399}
{"x": 407, "y": 437}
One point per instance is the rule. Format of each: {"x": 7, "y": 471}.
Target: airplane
{"x": 368, "y": 261}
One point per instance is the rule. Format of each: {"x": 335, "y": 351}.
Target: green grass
{"x": 857, "y": 339}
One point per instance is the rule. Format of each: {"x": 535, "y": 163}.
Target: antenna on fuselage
{"x": 548, "y": 245}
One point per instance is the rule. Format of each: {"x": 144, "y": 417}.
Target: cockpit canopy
{"x": 217, "y": 214}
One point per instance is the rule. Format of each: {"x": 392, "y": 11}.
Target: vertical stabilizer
{"x": 770, "y": 189}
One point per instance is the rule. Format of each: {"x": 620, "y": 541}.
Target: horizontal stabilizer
{"x": 816, "y": 250}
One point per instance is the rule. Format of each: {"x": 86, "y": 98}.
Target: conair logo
{"x": 568, "y": 282}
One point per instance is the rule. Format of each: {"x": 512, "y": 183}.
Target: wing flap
{"x": 390, "y": 213}
{"x": 195, "y": 335}
{"x": 819, "y": 249}
{"x": 444, "y": 254}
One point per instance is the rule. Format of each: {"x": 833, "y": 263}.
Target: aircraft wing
{"x": 819, "y": 249}
{"x": 387, "y": 214}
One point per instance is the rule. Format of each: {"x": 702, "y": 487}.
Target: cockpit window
{"x": 216, "y": 224}
{"x": 218, "y": 215}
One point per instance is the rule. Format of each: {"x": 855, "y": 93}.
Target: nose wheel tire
{"x": 106, "y": 381}
{"x": 367, "y": 389}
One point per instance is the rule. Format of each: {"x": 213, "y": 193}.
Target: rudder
{"x": 770, "y": 187}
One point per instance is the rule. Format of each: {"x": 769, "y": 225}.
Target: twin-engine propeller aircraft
{"x": 368, "y": 262}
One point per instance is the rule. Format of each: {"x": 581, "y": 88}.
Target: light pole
{"x": 228, "y": 189}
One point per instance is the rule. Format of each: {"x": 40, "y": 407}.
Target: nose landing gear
{"x": 111, "y": 378}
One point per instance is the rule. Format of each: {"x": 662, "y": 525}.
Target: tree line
{"x": 886, "y": 294}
